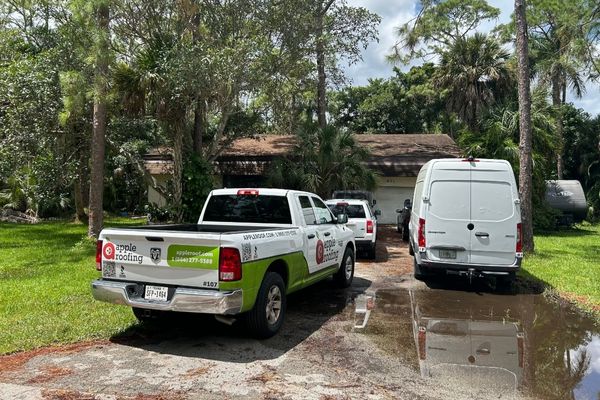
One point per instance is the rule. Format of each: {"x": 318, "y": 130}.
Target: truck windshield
{"x": 248, "y": 209}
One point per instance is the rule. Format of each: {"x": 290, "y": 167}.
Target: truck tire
{"x": 372, "y": 251}
{"x": 266, "y": 318}
{"x": 405, "y": 234}
{"x": 343, "y": 278}
{"x": 410, "y": 249}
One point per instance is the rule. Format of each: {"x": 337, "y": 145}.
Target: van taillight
{"x": 519, "y": 248}
{"x": 99, "y": 255}
{"x": 421, "y": 340}
{"x": 230, "y": 264}
{"x": 421, "y": 234}
{"x": 521, "y": 349}
{"x": 369, "y": 226}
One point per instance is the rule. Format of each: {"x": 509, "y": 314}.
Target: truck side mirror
{"x": 342, "y": 218}
{"x": 377, "y": 213}
{"x": 374, "y": 201}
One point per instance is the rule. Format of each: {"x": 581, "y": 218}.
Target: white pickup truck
{"x": 249, "y": 249}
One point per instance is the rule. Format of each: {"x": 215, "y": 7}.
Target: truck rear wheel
{"x": 266, "y": 318}
{"x": 343, "y": 278}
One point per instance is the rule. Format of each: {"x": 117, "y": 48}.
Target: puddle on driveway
{"x": 490, "y": 342}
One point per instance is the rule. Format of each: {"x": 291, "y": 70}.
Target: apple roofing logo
{"x": 320, "y": 251}
{"x": 109, "y": 251}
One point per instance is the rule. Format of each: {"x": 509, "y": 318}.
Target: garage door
{"x": 389, "y": 198}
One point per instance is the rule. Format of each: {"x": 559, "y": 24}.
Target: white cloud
{"x": 397, "y": 12}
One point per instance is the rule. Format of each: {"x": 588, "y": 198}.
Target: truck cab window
{"x": 307, "y": 210}
{"x": 322, "y": 212}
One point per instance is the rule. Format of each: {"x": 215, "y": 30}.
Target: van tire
{"x": 343, "y": 278}
{"x": 419, "y": 272}
{"x": 410, "y": 249}
{"x": 262, "y": 323}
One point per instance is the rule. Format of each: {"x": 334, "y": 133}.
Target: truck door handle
{"x": 483, "y": 350}
{"x": 327, "y": 233}
{"x": 482, "y": 234}
{"x": 311, "y": 236}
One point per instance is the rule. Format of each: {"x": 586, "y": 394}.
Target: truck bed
{"x": 222, "y": 229}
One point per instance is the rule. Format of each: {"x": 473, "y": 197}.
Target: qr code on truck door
{"x": 246, "y": 251}
{"x": 108, "y": 269}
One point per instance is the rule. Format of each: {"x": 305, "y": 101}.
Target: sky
{"x": 396, "y": 12}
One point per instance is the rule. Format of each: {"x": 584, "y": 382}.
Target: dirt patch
{"x": 49, "y": 373}
{"x": 61, "y": 394}
{"x": 15, "y": 361}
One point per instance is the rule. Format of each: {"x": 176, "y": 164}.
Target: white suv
{"x": 361, "y": 219}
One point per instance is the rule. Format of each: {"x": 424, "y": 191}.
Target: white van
{"x": 466, "y": 219}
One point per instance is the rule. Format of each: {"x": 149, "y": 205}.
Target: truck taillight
{"x": 521, "y": 349}
{"x": 421, "y": 340}
{"x": 230, "y": 264}
{"x": 519, "y": 248}
{"x": 99, "y": 255}
{"x": 369, "y": 226}
{"x": 422, "y": 242}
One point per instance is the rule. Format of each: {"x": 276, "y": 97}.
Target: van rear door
{"x": 494, "y": 215}
{"x": 448, "y": 213}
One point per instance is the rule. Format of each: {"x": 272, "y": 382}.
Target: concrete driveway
{"x": 357, "y": 343}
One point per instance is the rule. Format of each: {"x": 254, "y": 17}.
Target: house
{"x": 397, "y": 158}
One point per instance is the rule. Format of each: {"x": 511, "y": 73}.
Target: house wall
{"x": 390, "y": 194}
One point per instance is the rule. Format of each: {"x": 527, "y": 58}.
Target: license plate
{"x": 450, "y": 254}
{"x": 156, "y": 293}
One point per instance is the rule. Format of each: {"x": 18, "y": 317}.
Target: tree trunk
{"x": 321, "y": 77}
{"x": 80, "y": 184}
{"x": 557, "y": 104}
{"x": 199, "y": 124}
{"x": 96, "y": 210}
{"x": 178, "y": 170}
{"x": 525, "y": 142}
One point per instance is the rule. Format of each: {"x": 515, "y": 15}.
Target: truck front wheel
{"x": 345, "y": 274}
{"x": 266, "y": 318}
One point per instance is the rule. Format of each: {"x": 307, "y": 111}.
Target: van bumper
{"x": 182, "y": 299}
{"x": 482, "y": 268}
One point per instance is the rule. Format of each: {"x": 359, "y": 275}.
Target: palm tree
{"x": 525, "y": 140}
{"x": 475, "y": 72}
{"x": 324, "y": 160}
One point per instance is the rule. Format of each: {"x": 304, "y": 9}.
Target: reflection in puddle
{"x": 491, "y": 343}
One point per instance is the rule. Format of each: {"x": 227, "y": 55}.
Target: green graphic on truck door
{"x": 193, "y": 256}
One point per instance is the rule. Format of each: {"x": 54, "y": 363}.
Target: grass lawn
{"x": 45, "y": 298}
{"x": 569, "y": 261}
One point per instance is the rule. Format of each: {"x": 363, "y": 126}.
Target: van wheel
{"x": 343, "y": 278}
{"x": 266, "y": 318}
{"x": 420, "y": 273}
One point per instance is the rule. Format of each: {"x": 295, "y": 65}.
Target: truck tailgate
{"x": 165, "y": 257}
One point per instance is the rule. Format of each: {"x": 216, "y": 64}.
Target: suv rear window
{"x": 248, "y": 209}
{"x": 352, "y": 210}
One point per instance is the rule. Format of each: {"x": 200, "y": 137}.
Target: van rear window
{"x": 450, "y": 200}
{"x": 261, "y": 209}
{"x": 491, "y": 201}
